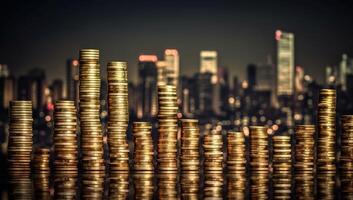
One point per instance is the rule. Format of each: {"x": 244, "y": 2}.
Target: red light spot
{"x": 148, "y": 58}
{"x": 50, "y": 106}
{"x": 278, "y": 34}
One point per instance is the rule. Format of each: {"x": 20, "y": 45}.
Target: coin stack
{"x": 118, "y": 185}
{"x": 118, "y": 119}
{"x": 213, "y": 151}
{"x": 304, "y": 148}
{"x": 190, "y": 145}
{"x": 282, "y": 166}
{"x": 93, "y": 185}
{"x": 167, "y": 186}
{"x": 213, "y": 186}
{"x": 326, "y": 131}
{"x": 20, "y": 136}
{"x": 236, "y": 186}
{"x": 20, "y": 185}
{"x": 41, "y": 185}
{"x": 143, "y": 185}
{"x": 91, "y": 128}
{"x": 41, "y": 160}
{"x": 346, "y": 159}
{"x": 65, "y": 185}
{"x": 42, "y": 171}
{"x": 144, "y": 153}
{"x": 304, "y": 186}
{"x": 190, "y": 185}
{"x": 236, "y": 158}
{"x": 304, "y": 161}
{"x": 65, "y": 137}
{"x": 326, "y": 185}
{"x": 259, "y": 155}
{"x": 347, "y": 185}
{"x": 167, "y": 128}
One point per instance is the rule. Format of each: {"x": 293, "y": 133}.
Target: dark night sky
{"x": 44, "y": 34}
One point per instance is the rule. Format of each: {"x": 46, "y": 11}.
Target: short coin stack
{"x": 346, "y": 159}
{"x": 236, "y": 157}
{"x": 326, "y": 131}
{"x": 304, "y": 161}
{"x": 259, "y": 155}
{"x": 213, "y": 152}
{"x": 91, "y": 128}
{"x": 304, "y": 148}
{"x": 190, "y": 145}
{"x": 282, "y": 166}
{"x": 143, "y": 153}
{"x": 65, "y": 137}
{"x": 20, "y": 136}
{"x": 41, "y": 160}
{"x": 167, "y": 128}
{"x": 41, "y": 185}
{"x": 118, "y": 120}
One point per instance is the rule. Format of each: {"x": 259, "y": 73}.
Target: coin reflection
{"x": 326, "y": 185}
{"x": 92, "y": 185}
{"x": 213, "y": 186}
{"x": 236, "y": 184}
{"x": 20, "y": 185}
{"x": 190, "y": 183}
{"x": 167, "y": 186}
{"x": 143, "y": 185}
{"x": 118, "y": 185}
{"x": 65, "y": 185}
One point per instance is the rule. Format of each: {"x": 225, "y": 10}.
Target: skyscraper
{"x": 209, "y": 63}
{"x": 171, "y": 57}
{"x": 251, "y": 75}
{"x": 161, "y": 72}
{"x": 148, "y": 80}
{"x": 72, "y": 80}
{"x": 57, "y": 90}
{"x": 285, "y": 63}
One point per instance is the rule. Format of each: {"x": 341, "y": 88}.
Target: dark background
{"x": 46, "y": 33}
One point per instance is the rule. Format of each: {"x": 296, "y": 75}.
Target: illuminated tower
{"x": 171, "y": 57}
{"x": 343, "y": 72}
{"x": 148, "y": 83}
{"x": 285, "y": 63}
{"x": 208, "y": 63}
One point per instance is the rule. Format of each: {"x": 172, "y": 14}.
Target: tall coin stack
{"x": 236, "y": 186}
{"x": 236, "y": 158}
{"x": 118, "y": 119}
{"x": 190, "y": 145}
{"x": 213, "y": 152}
{"x": 167, "y": 128}
{"x": 259, "y": 156}
{"x": 282, "y": 166}
{"x": 143, "y": 153}
{"x": 65, "y": 137}
{"x": 20, "y": 137}
{"x": 326, "y": 131}
{"x": 346, "y": 159}
{"x": 304, "y": 161}
{"x": 91, "y": 128}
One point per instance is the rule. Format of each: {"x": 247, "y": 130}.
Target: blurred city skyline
{"x": 46, "y": 34}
